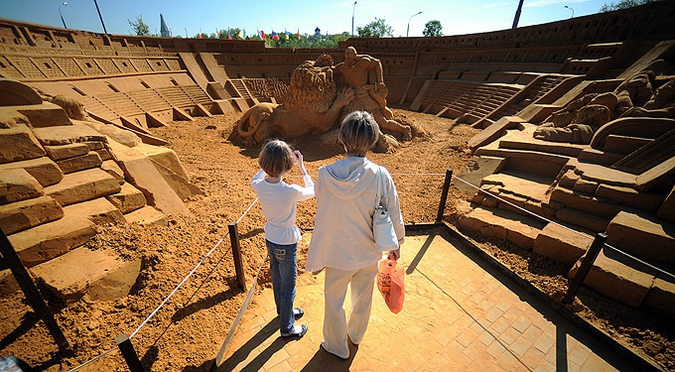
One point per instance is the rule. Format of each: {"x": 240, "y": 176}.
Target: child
{"x": 278, "y": 200}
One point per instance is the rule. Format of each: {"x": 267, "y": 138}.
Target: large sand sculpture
{"x": 577, "y": 120}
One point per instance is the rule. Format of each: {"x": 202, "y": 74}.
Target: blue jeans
{"x": 284, "y": 268}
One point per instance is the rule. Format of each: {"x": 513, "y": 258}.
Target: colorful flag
{"x": 229, "y": 36}
{"x": 244, "y": 34}
{"x": 262, "y": 34}
{"x": 287, "y": 33}
{"x": 275, "y": 36}
{"x": 299, "y": 37}
{"x": 217, "y": 34}
{"x": 240, "y": 34}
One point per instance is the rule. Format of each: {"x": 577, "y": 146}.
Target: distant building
{"x": 164, "y": 29}
{"x": 317, "y": 33}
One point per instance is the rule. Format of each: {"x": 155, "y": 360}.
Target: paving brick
{"x": 438, "y": 336}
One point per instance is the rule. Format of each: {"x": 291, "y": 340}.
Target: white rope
{"x": 641, "y": 261}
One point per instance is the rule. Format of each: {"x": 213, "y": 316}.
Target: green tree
{"x": 624, "y": 4}
{"x": 138, "y": 27}
{"x": 433, "y": 29}
{"x": 376, "y": 28}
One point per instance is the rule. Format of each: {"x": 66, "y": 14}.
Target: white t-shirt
{"x": 278, "y": 201}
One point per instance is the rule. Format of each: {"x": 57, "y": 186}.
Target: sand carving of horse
{"x": 311, "y": 106}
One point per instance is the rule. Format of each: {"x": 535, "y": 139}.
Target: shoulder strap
{"x": 381, "y": 188}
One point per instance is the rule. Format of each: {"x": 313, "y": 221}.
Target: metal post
{"x": 61, "y": 14}
{"x": 444, "y": 195}
{"x": 408, "y": 30}
{"x": 353, "y": 10}
{"x": 128, "y": 352}
{"x": 517, "y": 17}
{"x": 236, "y": 255}
{"x": 101, "y": 17}
{"x": 32, "y": 294}
{"x": 585, "y": 267}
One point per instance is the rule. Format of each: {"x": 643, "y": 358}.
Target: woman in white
{"x": 342, "y": 241}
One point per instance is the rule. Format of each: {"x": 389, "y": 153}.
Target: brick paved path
{"x": 457, "y": 317}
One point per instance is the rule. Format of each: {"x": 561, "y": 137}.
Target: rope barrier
{"x": 563, "y": 226}
{"x": 640, "y": 261}
{"x": 172, "y": 292}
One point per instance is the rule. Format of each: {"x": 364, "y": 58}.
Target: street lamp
{"x": 353, "y": 10}
{"x": 571, "y": 10}
{"x": 62, "y": 20}
{"x": 408, "y": 31}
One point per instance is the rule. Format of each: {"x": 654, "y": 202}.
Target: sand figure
{"x": 660, "y": 105}
{"x": 363, "y": 73}
{"x": 312, "y": 106}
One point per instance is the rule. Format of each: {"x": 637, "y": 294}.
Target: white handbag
{"x": 383, "y": 228}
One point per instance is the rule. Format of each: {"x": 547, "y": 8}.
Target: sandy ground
{"x": 189, "y": 329}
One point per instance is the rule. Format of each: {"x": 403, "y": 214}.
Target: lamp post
{"x": 62, "y": 20}
{"x": 571, "y": 10}
{"x": 353, "y": 10}
{"x": 408, "y": 30}
{"x": 101, "y": 17}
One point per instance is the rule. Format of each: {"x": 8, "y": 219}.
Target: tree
{"x": 433, "y": 29}
{"x": 139, "y": 27}
{"x": 624, "y": 4}
{"x": 376, "y": 28}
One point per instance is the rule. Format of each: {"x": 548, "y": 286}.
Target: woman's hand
{"x": 394, "y": 254}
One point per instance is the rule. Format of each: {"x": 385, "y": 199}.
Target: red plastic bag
{"x": 390, "y": 284}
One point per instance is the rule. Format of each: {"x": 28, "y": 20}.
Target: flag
{"x": 275, "y": 36}
{"x": 287, "y": 33}
{"x": 244, "y": 33}
{"x": 217, "y": 34}
{"x": 262, "y": 34}
{"x": 229, "y": 36}
{"x": 299, "y": 37}
{"x": 240, "y": 34}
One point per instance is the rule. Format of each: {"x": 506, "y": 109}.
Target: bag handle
{"x": 382, "y": 194}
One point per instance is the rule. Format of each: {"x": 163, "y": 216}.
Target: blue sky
{"x": 457, "y": 17}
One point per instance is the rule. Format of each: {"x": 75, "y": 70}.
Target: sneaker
{"x": 298, "y": 331}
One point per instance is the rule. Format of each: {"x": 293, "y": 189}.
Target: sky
{"x": 190, "y": 17}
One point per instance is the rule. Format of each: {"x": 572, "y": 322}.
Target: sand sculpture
{"x": 319, "y": 95}
{"x": 580, "y": 119}
{"x": 313, "y": 105}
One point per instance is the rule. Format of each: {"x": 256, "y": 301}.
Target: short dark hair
{"x": 276, "y": 158}
{"x": 358, "y": 133}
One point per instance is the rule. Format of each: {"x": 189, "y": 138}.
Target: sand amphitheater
{"x": 121, "y": 167}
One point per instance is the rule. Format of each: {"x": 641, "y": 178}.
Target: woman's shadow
{"x": 321, "y": 361}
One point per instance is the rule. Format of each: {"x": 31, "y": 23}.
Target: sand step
{"x": 100, "y": 274}
{"x": 99, "y": 211}
{"x": 128, "y": 199}
{"x": 17, "y": 184}
{"x": 25, "y": 214}
{"x": 50, "y": 240}
{"x": 525, "y": 190}
{"x": 503, "y": 224}
{"x": 18, "y": 143}
{"x": 82, "y": 186}
{"x": 147, "y": 215}
{"x": 43, "y": 169}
